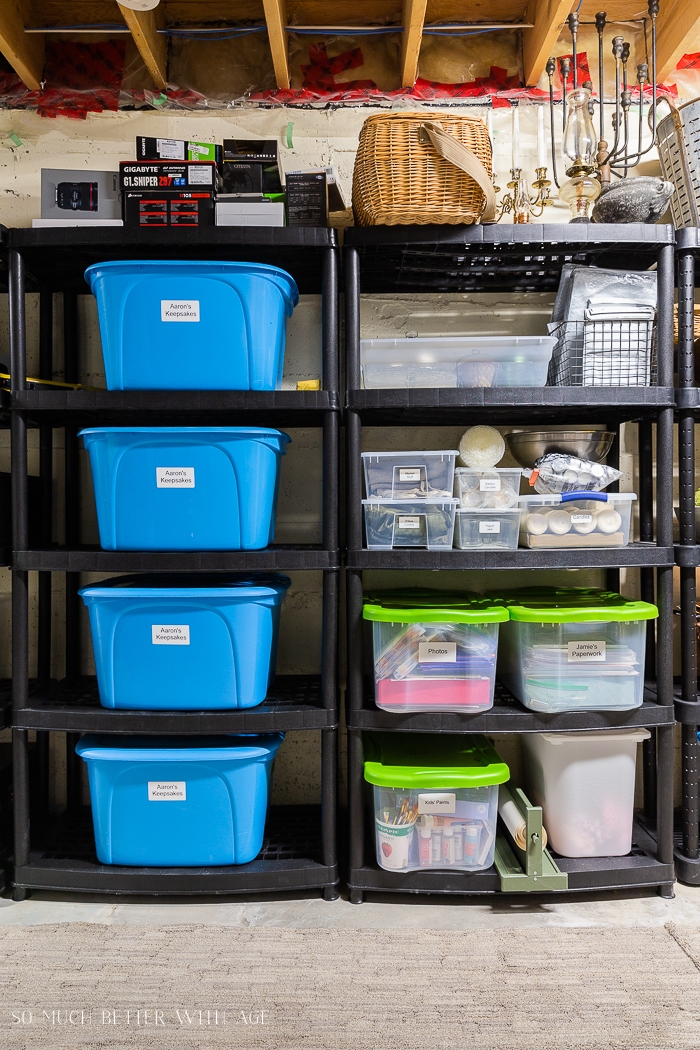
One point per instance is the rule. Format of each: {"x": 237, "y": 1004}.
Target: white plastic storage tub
{"x": 409, "y": 523}
{"x": 576, "y": 650}
{"x": 409, "y": 475}
{"x": 576, "y": 519}
{"x": 466, "y": 361}
{"x": 434, "y": 650}
{"x": 585, "y": 785}
{"x": 495, "y": 530}
{"x": 495, "y": 489}
{"x": 435, "y": 800}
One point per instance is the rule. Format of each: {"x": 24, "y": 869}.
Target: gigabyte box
{"x": 181, "y": 208}
{"x": 167, "y": 175}
{"x": 263, "y": 150}
{"x": 85, "y": 194}
{"x": 176, "y": 149}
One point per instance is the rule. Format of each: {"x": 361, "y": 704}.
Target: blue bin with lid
{"x": 185, "y": 642}
{"x": 185, "y": 488}
{"x": 179, "y": 801}
{"x": 192, "y": 325}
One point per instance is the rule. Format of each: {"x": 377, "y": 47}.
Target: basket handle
{"x": 451, "y": 149}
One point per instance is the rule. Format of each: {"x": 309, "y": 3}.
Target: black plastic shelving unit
{"x": 516, "y": 259}
{"x": 687, "y": 851}
{"x": 57, "y": 851}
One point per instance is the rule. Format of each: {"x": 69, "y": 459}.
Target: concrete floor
{"x": 603, "y": 910}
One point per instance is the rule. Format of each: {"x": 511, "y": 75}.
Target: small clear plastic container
{"x": 435, "y": 800}
{"x": 434, "y": 652}
{"x": 409, "y": 523}
{"x": 576, "y": 519}
{"x": 495, "y": 530}
{"x": 579, "y": 650}
{"x": 409, "y": 475}
{"x": 449, "y": 361}
{"x": 497, "y": 488}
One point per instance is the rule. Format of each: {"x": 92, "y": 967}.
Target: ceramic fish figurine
{"x": 642, "y": 199}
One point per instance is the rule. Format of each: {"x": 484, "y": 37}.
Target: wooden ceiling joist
{"x": 276, "y": 20}
{"x": 152, "y": 46}
{"x": 24, "y": 52}
{"x": 678, "y": 34}
{"x": 547, "y": 17}
{"x": 413, "y": 19}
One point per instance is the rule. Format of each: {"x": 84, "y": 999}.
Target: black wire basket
{"x": 603, "y": 353}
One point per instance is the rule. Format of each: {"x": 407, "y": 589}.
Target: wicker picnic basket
{"x": 417, "y": 168}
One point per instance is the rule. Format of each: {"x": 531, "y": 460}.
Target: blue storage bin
{"x": 179, "y": 325}
{"x": 185, "y": 642}
{"x": 185, "y": 488}
{"x": 179, "y": 801}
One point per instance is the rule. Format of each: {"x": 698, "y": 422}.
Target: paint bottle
{"x": 471, "y": 839}
{"x": 448, "y": 846}
{"x": 436, "y": 846}
{"x": 424, "y": 846}
{"x": 459, "y": 843}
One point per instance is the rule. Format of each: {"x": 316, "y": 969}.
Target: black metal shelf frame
{"x": 516, "y": 258}
{"x": 687, "y": 853}
{"x": 300, "y": 851}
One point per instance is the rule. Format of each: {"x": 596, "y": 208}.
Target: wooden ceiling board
{"x": 24, "y": 53}
{"x": 276, "y": 19}
{"x": 152, "y": 46}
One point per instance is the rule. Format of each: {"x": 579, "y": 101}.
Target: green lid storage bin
{"x": 434, "y": 651}
{"x": 574, "y": 650}
{"x": 435, "y": 799}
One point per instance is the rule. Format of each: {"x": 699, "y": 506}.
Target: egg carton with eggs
{"x": 576, "y": 519}
{"x": 494, "y": 489}
{"x": 558, "y": 472}
{"x": 409, "y": 475}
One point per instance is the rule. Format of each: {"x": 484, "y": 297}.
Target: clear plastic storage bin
{"x": 179, "y": 801}
{"x": 495, "y": 530}
{"x": 434, "y": 652}
{"x": 435, "y": 800}
{"x": 576, "y": 519}
{"x": 409, "y": 523}
{"x": 409, "y": 475}
{"x": 466, "y": 361}
{"x": 574, "y": 651}
{"x": 192, "y": 325}
{"x": 585, "y": 785}
{"x": 495, "y": 489}
{"x": 185, "y": 641}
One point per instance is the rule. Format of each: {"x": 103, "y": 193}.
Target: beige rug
{"x": 202, "y": 987}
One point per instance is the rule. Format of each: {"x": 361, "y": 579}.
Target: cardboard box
{"x": 163, "y": 175}
{"x": 262, "y": 150}
{"x": 307, "y": 198}
{"x": 176, "y": 149}
{"x": 175, "y": 208}
{"x": 67, "y": 193}
{"x": 46, "y": 224}
{"x": 262, "y": 213}
{"x": 336, "y": 197}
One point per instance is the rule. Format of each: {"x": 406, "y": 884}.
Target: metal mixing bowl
{"x": 526, "y": 447}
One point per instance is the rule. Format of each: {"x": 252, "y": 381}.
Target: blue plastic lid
{"x": 112, "y": 748}
{"x": 252, "y": 432}
{"x": 189, "y": 585}
{"x": 196, "y": 268}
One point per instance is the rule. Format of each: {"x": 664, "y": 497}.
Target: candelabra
{"x": 593, "y": 160}
{"x": 519, "y": 201}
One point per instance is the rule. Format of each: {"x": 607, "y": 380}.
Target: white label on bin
{"x": 588, "y": 652}
{"x": 403, "y": 521}
{"x": 437, "y": 802}
{"x": 490, "y": 485}
{"x": 175, "y": 477}
{"x": 179, "y": 309}
{"x": 170, "y": 149}
{"x": 437, "y": 652}
{"x": 491, "y": 528}
{"x": 409, "y": 473}
{"x": 203, "y": 176}
{"x": 581, "y": 519}
{"x": 170, "y": 634}
{"x": 167, "y": 791}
